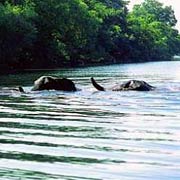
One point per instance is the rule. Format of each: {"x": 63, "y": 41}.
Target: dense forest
{"x": 66, "y": 33}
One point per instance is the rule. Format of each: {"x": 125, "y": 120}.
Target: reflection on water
{"x": 89, "y": 134}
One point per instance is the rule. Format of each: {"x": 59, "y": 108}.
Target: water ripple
{"x": 93, "y": 135}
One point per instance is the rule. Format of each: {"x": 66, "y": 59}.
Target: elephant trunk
{"x": 21, "y": 89}
{"x": 96, "y": 85}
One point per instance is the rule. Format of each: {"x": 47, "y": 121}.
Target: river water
{"x": 91, "y": 135}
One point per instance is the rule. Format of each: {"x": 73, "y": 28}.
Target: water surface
{"x": 92, "y": 135}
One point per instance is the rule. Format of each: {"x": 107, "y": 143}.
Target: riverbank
{"x": 81, "y": 33}
{"x": 52, "y": 68}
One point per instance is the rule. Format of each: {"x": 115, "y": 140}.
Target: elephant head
{"x": 135, "y": 85}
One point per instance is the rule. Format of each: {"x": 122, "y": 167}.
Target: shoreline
{"x": 16, "y": 71}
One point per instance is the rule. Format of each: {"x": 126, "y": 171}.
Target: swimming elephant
{"x": 135, "y": 85}
{"x": 15, "y": 89}
{"x": 50, "y": 82}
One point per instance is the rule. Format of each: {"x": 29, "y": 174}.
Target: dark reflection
{"x": 89, "y": 147}
{"x": 18, "y": 174}
{"x": 11, "y": 141}
{"x": 53, "y": 159}
{"x": 42, "y": 110}
{"x": 50, "y": 127}
{"x": 10, "y": 99}
{"x": 35, "y": 175}
{"x": 103, "y": 149}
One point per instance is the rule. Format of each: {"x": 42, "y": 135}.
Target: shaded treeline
{"x": 57, "y": 33}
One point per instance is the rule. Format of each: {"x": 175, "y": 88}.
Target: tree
{"x": 151, "y": 33}
{"x": 111, "y": 37}
{"x": 161, "y": 13}
{"x": 17, "y": 34}
{"x": 65, "y": 30}
{"x": 51, "y": 33}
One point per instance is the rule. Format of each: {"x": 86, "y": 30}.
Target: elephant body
{"x": 50, "y": 82}
{"x": 135, "y": 85}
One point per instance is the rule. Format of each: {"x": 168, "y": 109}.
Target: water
{"x": 92, "y": 135}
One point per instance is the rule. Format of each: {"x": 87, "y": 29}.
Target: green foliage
{"x": 161, "y": 13}
{"x": 17, "y": 34}
{"x": 54, "y": 33}
{"x": 67, "y": 29}
{"x": 151, "y": 33}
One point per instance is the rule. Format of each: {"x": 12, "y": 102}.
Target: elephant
{"x": 15, "y": 89}
{"x": 54, "y": 83}
{"x": 134, "y": 85}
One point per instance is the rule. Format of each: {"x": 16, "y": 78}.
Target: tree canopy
{"x": 152, "y": 32}
{"x": 54, "y": 33}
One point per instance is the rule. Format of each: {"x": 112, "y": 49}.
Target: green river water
{"x": 92, "y": 135}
